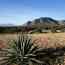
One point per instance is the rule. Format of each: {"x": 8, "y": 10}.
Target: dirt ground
{"x": 43, "y": 39}
{"x": 50, "y": 39}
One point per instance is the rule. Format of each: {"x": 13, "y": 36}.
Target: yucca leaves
{"x": 23, "y": 52}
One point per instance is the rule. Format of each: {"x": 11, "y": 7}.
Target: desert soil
{"x": 43, "y": 40}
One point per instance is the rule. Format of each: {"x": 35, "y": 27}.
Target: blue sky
{"x": 20, "y": 11}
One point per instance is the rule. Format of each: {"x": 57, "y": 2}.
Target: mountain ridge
{"x": 39, "y": 24}
{"x": 45, "y": 20}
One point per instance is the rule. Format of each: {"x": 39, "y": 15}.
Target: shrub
{"x": 23, "y": 52}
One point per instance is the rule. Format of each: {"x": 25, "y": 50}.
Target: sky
{"x": 18, "y": 12}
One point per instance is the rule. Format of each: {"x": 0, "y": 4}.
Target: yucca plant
{"x": 22, "y": 52}
{"x": 52, "y": 56}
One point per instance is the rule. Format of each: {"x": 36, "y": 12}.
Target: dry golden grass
{"x": 4, "y": 38}
{"x": 43, "y": 39}
{"x": 50, "y": 39}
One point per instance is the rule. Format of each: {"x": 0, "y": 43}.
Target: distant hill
{"x": 3, "y": 25}
{"x": 39, "y": 24}
{"x": 45, "y": 21}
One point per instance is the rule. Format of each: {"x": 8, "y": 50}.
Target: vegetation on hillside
{"x": 42, "y": 24}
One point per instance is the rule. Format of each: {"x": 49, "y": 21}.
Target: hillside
{"x": 45, "y": 21}
{"x": 42, "y": 23}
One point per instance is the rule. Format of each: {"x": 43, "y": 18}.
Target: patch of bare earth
{"x": 49, "y": 39}
{"x": 45, "y": 40}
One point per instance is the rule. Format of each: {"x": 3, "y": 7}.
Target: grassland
{"x": 43, "y": 39}
{"x": 50, "y": 39}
